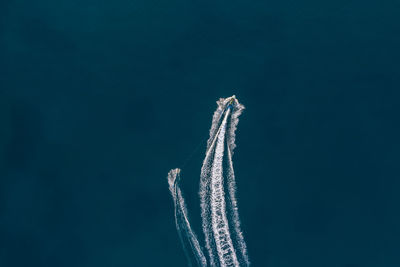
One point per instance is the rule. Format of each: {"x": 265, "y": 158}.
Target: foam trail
{"x": 182, "y": 220}
{"x": 205, "y": 182}
{"x": 204, "y": 192}
{"x": 221, "y": 249}
{"x": 219, "y": 212}
{"x": 219, "y": 221}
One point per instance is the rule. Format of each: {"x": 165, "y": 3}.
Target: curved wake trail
{"x": 220, "y": 218}
{"x": 182, "y": 220}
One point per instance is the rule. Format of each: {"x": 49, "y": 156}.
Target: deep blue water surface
{"x": 99, "y": 99}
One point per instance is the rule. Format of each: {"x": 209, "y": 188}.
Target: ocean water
{"x": 100, "y": 99}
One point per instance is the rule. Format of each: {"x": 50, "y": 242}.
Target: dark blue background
{"x": 99, "y": 99}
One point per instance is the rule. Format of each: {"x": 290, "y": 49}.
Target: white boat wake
{"x": 219, "y": 212}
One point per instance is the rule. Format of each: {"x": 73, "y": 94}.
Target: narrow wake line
{"x": 182, "y": 220}
{"x": 225, "y": 246}
{"x": 234, "y": 211}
